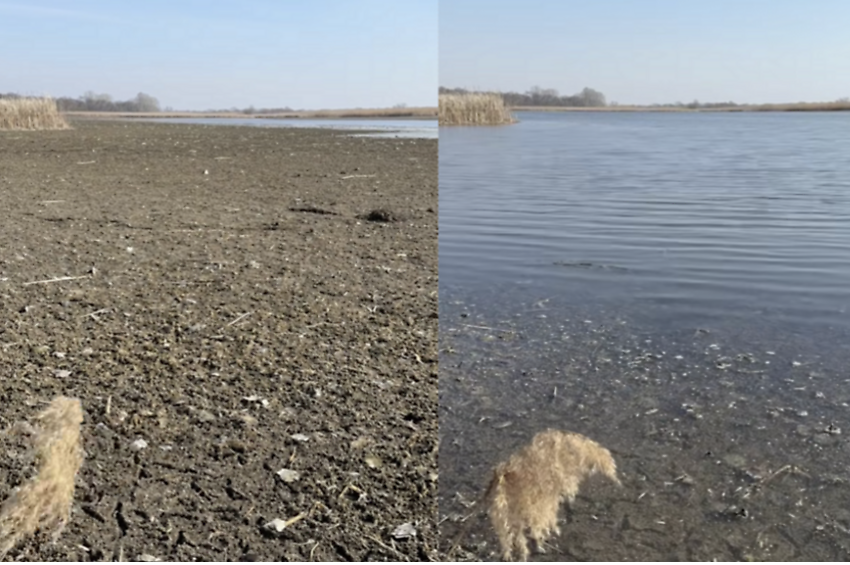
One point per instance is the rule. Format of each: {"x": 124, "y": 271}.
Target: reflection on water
{"x": 424, "y": 129}
{"x": 674, "y": 287}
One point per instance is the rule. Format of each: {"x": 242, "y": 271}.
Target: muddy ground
{"x": 232, "y": 303}
{"x": 730, "y": 440}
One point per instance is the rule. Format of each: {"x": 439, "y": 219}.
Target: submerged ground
{"x": 227, "y": 298}
{"x": 730, "y": 439}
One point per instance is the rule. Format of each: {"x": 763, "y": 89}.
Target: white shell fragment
{"x": 139, "y": 444}
{"x": 406, "y": 530}
{"x": 288, "y": 475}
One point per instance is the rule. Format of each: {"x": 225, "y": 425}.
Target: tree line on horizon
{"x": 590, "y": 98}
{"x": 93, "y": 102}
{"x": 536, "y": 96}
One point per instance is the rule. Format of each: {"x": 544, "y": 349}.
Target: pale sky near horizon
{"x": 208, "y": 54}
{"x": 651, "y": 51}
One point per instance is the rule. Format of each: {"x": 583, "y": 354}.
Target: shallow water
{"x": 424, "y": 129}
{"x": 673, "y": 286}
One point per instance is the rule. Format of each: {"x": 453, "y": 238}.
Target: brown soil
{"x": 233, "y": 306}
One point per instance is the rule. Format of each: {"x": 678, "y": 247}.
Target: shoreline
{"x": 390, "y": 113}
{"x": 813, "y": 107}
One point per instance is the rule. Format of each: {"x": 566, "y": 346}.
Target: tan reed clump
{"x": 474, "y": 109}
{"x": 44, "y": 502}
{"x": 527, "y": 490}
{"x": 30, "y": 114}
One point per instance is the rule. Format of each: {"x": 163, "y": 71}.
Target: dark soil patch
{"x": 313, "y": 210}
{"x": 381, "y": 215}
{"x": 235, "y": 336}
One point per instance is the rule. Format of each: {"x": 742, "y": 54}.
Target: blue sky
{"x": 648, "y": 51}
{"x": 195, "y": 54}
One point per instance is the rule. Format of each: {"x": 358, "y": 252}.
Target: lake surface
{"x": 673, "y": 285}
{"x": 707, "y": 215}
{"x": 426, "y": 129}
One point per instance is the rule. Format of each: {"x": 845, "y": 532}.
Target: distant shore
{"x": 422, "y": 113}
{"x": 797, "y": 107}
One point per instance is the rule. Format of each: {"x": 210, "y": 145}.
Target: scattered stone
{"x": 359, "y": 443}
{"x": 406, "y": 530}
{"x": 735, "y": 461}
{"x": 139, "y": 445}
{"x": 276, "y": 525}
{"x": 288, "y": 475}
{"x": 825, "y": 439}
{"x": 300, "y": 437}
{"x": 373, "y": 461}
{"x": 247, "y": 419}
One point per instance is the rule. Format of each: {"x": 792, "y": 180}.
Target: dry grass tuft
{"x": 527, "y": 489}
{"x": 30, "y": 114}
{"x": 474, "y": 109}
{"x": 44, "y": 502}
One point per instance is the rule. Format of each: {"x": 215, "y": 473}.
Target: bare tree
{"x": 146, "y": 103}
{"x": 592, "y": 98}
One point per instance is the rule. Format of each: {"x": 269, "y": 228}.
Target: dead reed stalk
{"x": 527, "y": 490}
{"x": 474, "y": 109}
{"x": 30, "y": 114}
{"x": 44, "y": 502}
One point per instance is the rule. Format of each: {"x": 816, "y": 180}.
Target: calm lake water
{"x": 673, "y": 285}
{"x": 706, "y": 215}
{"x": 426, "y": 129}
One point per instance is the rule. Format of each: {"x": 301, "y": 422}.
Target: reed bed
{"x": 30, "y": 114}
{"x": 474, "y": 109}
{"x": 837, "y": 106}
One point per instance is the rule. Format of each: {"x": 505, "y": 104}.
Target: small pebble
{"x": 825, "y": 439}
{"x": 734, "y": 460}
{"x": 404, "y": 531}
{"x": 277, "y": 525}
{"x": 373, "y": 462}
{"x": 288, "y": 475}
{"x": 139, "y": 444}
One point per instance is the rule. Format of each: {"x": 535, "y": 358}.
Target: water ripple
{"x": 707, "y": 214}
